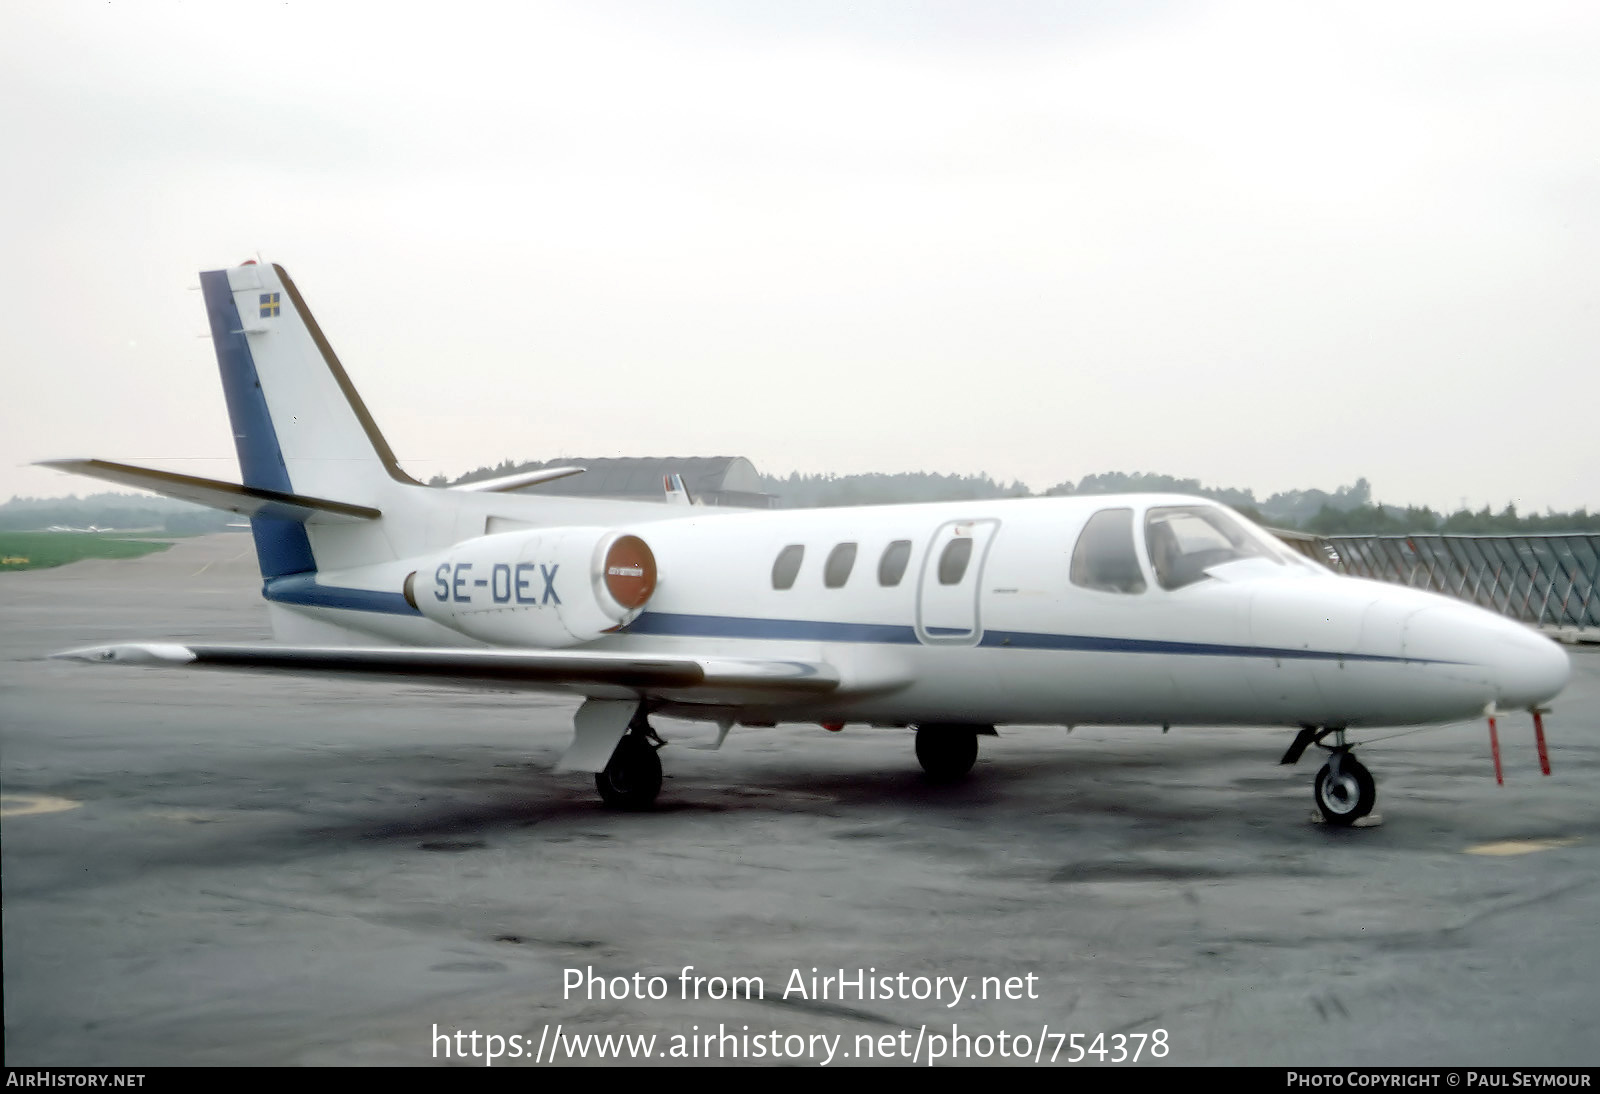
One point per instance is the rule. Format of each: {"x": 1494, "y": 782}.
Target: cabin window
{"x": 892, "y": 566}
{"x": 836, "y": 571}
{"x": 1105, "y": 557}
{"x": 787, "y": 567}
{"x": 953, "y": 561}
{"x": 1186, "y": 541}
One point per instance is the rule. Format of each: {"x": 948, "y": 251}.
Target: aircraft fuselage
{"x": 1271, "y": 639}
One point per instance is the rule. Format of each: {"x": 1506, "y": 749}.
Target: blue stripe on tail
{"x": 281, "y": 545}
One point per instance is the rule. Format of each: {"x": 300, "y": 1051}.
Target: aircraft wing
{"x": 705, "y": 679}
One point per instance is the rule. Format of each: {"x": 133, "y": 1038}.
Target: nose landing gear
{"x": 1344, "y": 789}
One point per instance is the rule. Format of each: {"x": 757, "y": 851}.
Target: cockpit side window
{"x": 1105, "y": 557}
{"x": 1187, "y": 540}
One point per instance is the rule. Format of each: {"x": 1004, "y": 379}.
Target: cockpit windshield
{"x": 1185, "y": 541}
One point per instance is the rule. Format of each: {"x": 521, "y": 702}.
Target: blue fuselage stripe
{"x": 1097, "y": 644}
{"x": 303, "y": 589}
{"x": 802, "y": 630}
{"x": 812, "y": 630}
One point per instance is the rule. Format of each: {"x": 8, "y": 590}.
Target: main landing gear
{"x": 947, "y": 752}
{"x": 1344, "y": 789}
{"x": 632, "y": 777}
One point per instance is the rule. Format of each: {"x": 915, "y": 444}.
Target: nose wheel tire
{"x": 946, "y": 753}
{"x": 632, "y": 777}
{"x": 1347, "y": 795}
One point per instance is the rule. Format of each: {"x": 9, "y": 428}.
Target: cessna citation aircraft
{"x": 953, "y": 617}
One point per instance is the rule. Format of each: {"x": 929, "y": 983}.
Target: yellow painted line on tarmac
{"x": 21, "y": 805}
{"x": 1519, "y": 846}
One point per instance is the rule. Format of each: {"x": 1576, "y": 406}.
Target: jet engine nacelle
{"x": 542, "y": 588}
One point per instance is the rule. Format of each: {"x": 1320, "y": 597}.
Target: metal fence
{"x": 1548, "y": 581}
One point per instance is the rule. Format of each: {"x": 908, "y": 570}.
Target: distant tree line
{"x": 1287, "y": 509}
{"x": 1348, "y": 510}
{"x": 123, "y": 512}
{"x": 1384, "y": 520}
{"x": 799, "y": 491}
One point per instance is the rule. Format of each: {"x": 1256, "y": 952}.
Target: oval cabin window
{"x": 892, "y": 566}
{"x": 953, "y": 562}
{"x": 841, "y": 560}
{"x": 787, "y": 567}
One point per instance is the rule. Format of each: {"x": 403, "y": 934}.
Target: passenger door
{"x": 951, "y": 584}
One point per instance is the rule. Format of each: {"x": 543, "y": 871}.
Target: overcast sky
{"x": 1264, "y": 245}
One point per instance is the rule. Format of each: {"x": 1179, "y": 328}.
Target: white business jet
{"x": 953, "y": 617}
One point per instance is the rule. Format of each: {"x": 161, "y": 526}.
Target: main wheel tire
{"x": 1347, "y": 797}
{"x": 632, "y": 777}
{"x": 946, "y": 753}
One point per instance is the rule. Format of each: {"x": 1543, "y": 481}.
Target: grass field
{"x": 35, "y": 550}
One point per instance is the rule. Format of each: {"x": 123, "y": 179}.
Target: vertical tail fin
{"x": 298, "y": 425}
{"x": 677, "y": 493}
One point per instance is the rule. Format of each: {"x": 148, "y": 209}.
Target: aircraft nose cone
{"x": 1524, "y": 668}
{"x": 1532, "y": 670}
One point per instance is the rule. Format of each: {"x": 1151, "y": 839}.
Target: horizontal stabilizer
{"x": 250, "y": 501}
{"x": 559, "y": 670}
{"x": 521, "y": 479}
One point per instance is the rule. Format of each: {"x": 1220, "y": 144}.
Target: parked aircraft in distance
{"x": 952, "y": 618}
